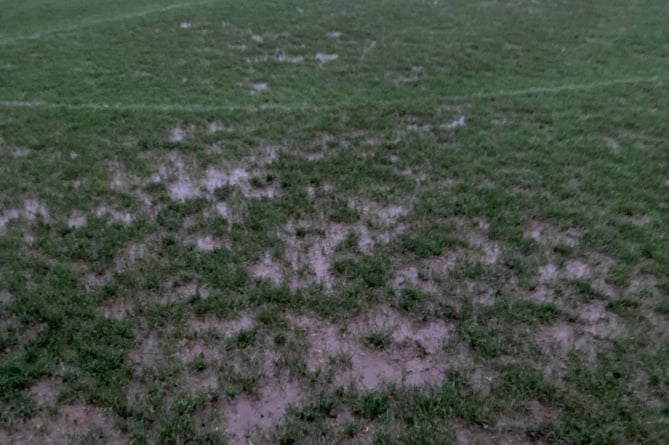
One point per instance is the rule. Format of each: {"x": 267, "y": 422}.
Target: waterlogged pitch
{"x": 325, "y": 222}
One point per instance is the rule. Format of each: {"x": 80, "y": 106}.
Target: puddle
{"x": 313, "y": 252}
{"x": 177, "y": 134}
{"x": 285, "y": 58}
{"x": 76, "y": 220}
{"x": 260, "y": 87}
{"x": 324, "y": 58}
{"x": 32, "y": 209}
{"x": 456, "y": 123}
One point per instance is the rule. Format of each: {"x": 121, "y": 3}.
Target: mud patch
{"x": 613, "y": 144}
{"x": 594, "y": 268}
{"x": 6, "y": 298}
{"x": 412, "y": 77}
{"x": 408, "y": 277}
{"x": 309, "y": 249}
{"x": 545, "y": 235}
{"x": 310, "y": 254}
{"x": 441, "y": 265}
{"x": 183, "y": 190}
{"x": 207, "y": 243}
{"x": 180, "y": 292}
{"x": 116, "y": 216}
{"x": 246, "y": 415}
{"x": 377, "y": 213}
{"x": 45, "y": 392}
{"x": 637, "y": 220}
{"x": 268, "y": 269}
{"x": 130, "y": 256}
{"x": 190, "y": 350}
{"x": 117, "y": 309}
{"x": 75, "y": 423}
{"x": 548, "y": 273}
{"x": 184, "y": 185}
{"x": 415, "y": 356}
{"x": 21, "y": 152}
{"x": 577, "y": 270}
{"x": 204, "y": 381}
{"x": 222, "y": 327}
{"x": 148, "y": 353}
{"x": 594, "y": 323}
{"x": 34, "y": 209}
{"x": 214, "y": 127}
{"x": 599, "y": 322}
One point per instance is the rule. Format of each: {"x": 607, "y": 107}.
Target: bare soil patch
{"x": 414, "y": 357}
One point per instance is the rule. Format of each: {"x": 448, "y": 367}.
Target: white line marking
{"x": 202, "y": 108}
{"x": 568, "y": 87}
{"x": 38, "y": 35}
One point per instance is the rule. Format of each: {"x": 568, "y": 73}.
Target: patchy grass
{"x": 277, "y": 222}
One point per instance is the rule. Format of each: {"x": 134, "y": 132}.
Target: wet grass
{"x": 400, "y": 177}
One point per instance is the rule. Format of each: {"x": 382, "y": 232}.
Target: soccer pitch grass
{"x": 391, "y": 221}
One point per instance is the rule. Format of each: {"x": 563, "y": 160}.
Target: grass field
{"x": 390, "y": 221}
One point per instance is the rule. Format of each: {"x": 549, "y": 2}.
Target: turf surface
{"x": 334, "y": 222}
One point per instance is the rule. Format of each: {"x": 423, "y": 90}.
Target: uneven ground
{"x": 391, "y": 221}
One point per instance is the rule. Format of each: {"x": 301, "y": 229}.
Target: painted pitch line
{"x": 568, "y": 87}
{"x": 202, "y": 108}
{"x": 85, "y": 24}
